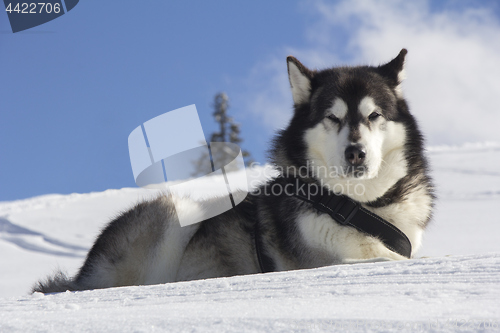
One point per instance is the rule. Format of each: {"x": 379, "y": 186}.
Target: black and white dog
{"x": 354, "y": 187}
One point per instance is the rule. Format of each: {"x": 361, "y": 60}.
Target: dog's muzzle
{"x": 355, "y": 156}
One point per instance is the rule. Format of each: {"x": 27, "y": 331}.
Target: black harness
{"x": 344, "y": 211}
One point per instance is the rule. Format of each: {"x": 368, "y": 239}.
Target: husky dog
{"x": 351, "y": 137}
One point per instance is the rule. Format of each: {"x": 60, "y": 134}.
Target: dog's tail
{"x": 59, "y": 282}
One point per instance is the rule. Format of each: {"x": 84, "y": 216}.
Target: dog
{"x": 353, "y": 187}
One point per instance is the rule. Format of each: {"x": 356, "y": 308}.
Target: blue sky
{"x": 73, "y": 89}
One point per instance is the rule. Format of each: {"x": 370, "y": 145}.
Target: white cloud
{"x": 453, "y": 64}
{"x": 272, "y": 101}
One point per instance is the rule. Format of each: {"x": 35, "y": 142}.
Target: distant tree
{"x": 229, "y": 131}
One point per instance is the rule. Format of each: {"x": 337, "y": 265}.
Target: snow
{"x": 415, "y": 293}
{"x": 454, "y": 287}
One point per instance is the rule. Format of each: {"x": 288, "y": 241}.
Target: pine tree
{"x": 221, "y": 104}
{"x": 229, "y": 131}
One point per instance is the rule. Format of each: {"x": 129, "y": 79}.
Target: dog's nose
{"x": 355, "y": 154}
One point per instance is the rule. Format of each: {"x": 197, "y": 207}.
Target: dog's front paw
{"x": 360, "y": 261}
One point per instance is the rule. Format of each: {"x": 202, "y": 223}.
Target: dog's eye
{"x": 334, "y": 119}
{"x": 373, "y": 116}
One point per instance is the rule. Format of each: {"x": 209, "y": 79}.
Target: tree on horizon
{"x": 229, "y": 131}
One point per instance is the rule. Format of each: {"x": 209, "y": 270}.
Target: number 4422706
{"x": 34, "y": 8}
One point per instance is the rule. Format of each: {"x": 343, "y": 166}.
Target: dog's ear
{"x": 300, "y": 80}
{"x": 394, "y": 70}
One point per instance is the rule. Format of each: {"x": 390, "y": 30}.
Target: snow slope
{"x": 456, "y": 293}
{"x": 417, "y": 294}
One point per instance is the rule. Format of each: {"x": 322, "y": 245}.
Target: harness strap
{"x": 347, "y": 212}
{"x": 344, "y": 211}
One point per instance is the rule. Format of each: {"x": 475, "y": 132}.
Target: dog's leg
{"x": 362, "y": 261}
{"x": 387, "y": 257}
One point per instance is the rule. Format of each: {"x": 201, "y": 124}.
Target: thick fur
{"x": 335, "y": 109}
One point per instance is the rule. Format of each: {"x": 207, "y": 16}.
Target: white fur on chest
{"x": 410, "y": 215}
{"x": 345, "y": 243}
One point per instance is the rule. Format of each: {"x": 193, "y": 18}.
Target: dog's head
{"x": 348, "y": 125}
